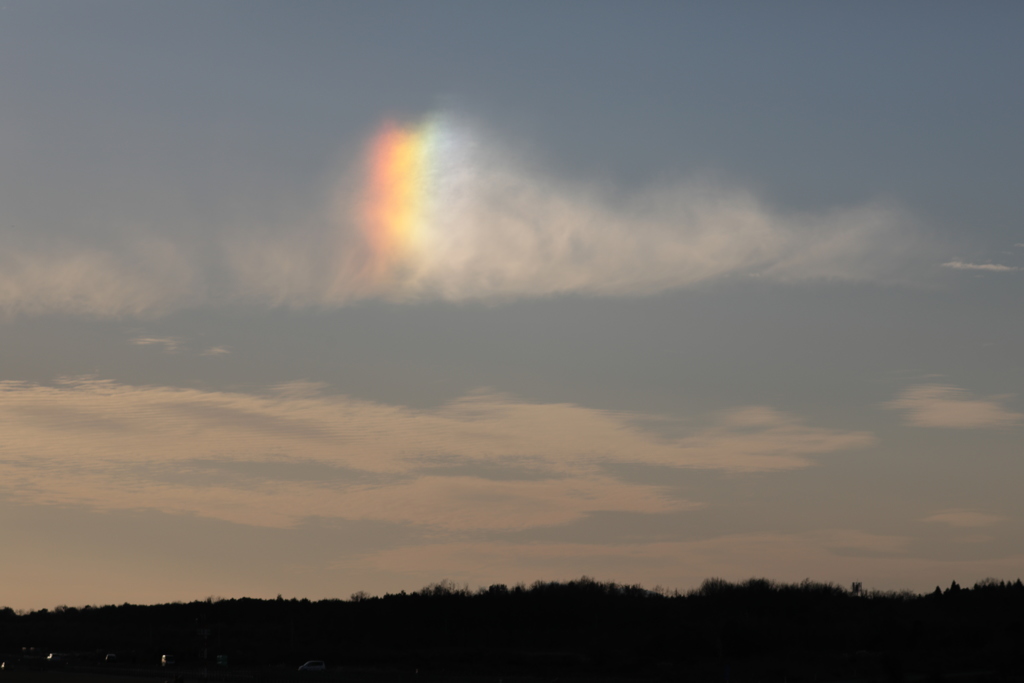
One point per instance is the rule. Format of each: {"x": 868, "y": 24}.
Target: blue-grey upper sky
{"x": 319, "y": 297}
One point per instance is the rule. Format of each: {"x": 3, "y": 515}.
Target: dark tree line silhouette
{"x": 756, "y": 630}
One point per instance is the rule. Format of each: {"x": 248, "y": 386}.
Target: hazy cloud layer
{"x": 937, "y": 405}
{"x": 501, "y": 229}
{"x": 482, "y": 462}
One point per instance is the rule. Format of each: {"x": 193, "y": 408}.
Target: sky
{"x": 312, "y": 298}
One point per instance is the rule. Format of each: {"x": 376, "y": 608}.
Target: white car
{"x": 313, "y": 665}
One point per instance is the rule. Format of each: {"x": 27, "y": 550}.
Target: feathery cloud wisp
{"x": 937, "y": 405}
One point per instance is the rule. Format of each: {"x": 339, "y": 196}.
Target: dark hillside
{"x": 757, "y": 630}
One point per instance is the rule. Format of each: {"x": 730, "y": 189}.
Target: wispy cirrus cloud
{"x": 169, "y": 344}
{"x": 177, "y": 345}
{"x": 964, "y": 519}
{"x": 944, "y": 406}
{"x": 485, "y": 461}
{"x": 987, "y": 267}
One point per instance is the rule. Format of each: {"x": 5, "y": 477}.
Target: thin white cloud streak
{"x": 943, "y": 406}
{"x": 176, "y": 344}
{"x": 964, "y": 519}
{"x": 482, "y": 462}
{"x": 504, "y": 230}
{"x": 169, "y": 344}
{"x": 989, "y": 267}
